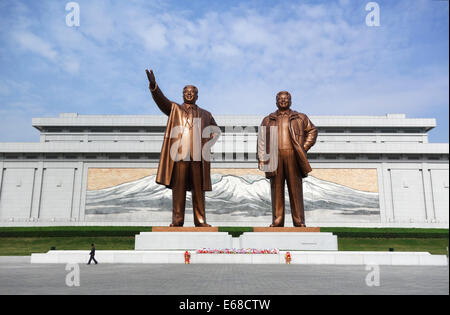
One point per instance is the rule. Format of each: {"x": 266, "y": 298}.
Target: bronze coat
{"x": 177, "y": 117}
{"x": 303, "y": 135}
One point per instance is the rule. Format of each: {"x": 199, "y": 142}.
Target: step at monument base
{"x": 298, "y": 258}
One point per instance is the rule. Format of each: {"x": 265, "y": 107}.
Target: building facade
{"x": 100, "y": 170}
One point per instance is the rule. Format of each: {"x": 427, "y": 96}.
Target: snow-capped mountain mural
{"x": 233, "y": 198}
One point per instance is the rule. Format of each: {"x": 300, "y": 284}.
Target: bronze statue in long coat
{"x": 188, "y": 171}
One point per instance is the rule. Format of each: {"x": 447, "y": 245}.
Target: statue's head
{"x": 190, "y": 94}
{"x": 283, "y": 100}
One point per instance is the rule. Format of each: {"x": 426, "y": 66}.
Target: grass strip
{"x": 24, "y": 246}
{"x": 433, "y": 246}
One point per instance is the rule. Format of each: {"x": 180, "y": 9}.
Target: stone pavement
{"x": 18, "y": 276}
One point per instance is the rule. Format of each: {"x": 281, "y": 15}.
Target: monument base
{"x": 306, "y": 248}
{"x": 298, "y": 258}
{"x": 289, "y": 240}
{"x": 182, "y": 240}
{"x": 193, "y": 240}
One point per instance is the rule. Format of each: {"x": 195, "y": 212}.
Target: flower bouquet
{"x": 231, "y": 251}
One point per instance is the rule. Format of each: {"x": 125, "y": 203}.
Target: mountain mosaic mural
{"x": 236, "y": 198}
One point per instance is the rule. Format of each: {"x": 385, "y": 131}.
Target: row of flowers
{"x": 237, "y": 251}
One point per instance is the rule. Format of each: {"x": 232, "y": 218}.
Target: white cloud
{"x": 153, "y": 36}
{"x": 71, "y": 65}
{"x": 33, "y": 43}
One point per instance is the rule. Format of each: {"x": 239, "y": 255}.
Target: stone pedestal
{"x": 182, "y": 240}
{"x": 289, "y": 240}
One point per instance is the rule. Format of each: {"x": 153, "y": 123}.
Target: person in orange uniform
{"x": 288, "y": 258}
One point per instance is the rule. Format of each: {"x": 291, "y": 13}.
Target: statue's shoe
{"x": 176, "y": 225}
{"x": 203, "y": 225}
{"x": 274, "y": 225}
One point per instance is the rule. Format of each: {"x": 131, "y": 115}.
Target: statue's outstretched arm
{"x": 163, "y": 103}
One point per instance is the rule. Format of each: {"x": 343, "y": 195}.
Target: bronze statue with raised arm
{"x": 184, "y": 164}
{"x": 294, "y": 135}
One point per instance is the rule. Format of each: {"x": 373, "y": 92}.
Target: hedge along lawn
{"x": 75, "y": 231}
{"x": 89, "y": 231}
{"x": 387, "y": 232}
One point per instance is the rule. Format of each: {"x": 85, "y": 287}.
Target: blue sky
{"x": 238, "y": 53}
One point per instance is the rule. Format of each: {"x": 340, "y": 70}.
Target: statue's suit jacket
{"x": 177, "y": 117}
{"x": 303, "y": 135}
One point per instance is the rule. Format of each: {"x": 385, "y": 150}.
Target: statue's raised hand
{"x": 151, "y": 78}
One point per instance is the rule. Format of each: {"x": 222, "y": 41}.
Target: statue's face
{"x": 283, "y": 100}
{"x": 190, "y": 94}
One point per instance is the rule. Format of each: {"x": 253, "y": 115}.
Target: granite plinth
{"x": 182, "y": 240}
{"x": 289, "y": 240}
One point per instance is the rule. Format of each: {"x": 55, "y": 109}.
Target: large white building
{"x": 100, "y": 170}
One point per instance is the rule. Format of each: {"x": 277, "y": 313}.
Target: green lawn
{"x": 434, "y": 246}
{"x": 27, "y": 240}
{"x": 24, "y": 246}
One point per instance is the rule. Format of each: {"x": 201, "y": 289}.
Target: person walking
{"x": 92, "y": 254}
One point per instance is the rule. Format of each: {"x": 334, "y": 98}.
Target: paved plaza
{"x": 18, "y": 276}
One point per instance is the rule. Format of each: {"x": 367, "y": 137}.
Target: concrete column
{"x": 77, "y": 188}
{"x": 84, "y": 178}
{"x": 381, "y": 195}
{"x": 428, "y": 194}
{"x": 37, "y": 191}
{"x": 1, "y": 177}
{"x": 32, "y": 193}
{"x": 74, "y": 170}
{"x": 388, "y": 198}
